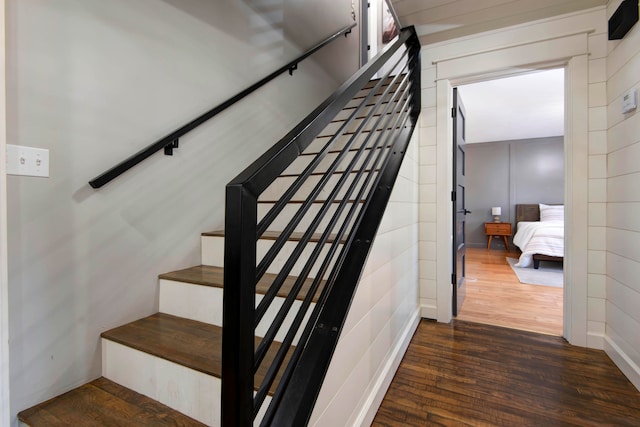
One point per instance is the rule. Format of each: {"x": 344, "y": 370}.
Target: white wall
{"x": 623, "y": 205}
{"x": 577, "y": 41}
{"x": 4, "y": 300}
{"x": 95, "y": 81}
{"x": 383, "y": 315}
{"x": 307, "y": 22}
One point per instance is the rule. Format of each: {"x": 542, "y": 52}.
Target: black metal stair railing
{"x": 341, "y": 186}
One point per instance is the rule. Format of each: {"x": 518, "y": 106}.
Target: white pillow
{"x": 551, "y": 212}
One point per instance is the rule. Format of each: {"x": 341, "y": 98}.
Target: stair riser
{"x": 381, "y": 89}
{"x": 354, "y": 104}
{"x": 374, "y": 123}
{"x": 358, "y": 100}
{"x": 347, "y": 112}
{"x": 213, "y": 254}
{"x": 337, "y": 145}
{"x": 186, "y": 390}
{"x": 204, "y": 304}
{"x": 287, "y": 213}
{"x": 301, "y": 163}
{"x": 280, "y": 185}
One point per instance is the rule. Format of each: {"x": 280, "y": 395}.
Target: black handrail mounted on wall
{"x": 340, "y": 183}
{"x": 171, "y": 141}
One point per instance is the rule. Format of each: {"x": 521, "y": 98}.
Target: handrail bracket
{"x": 168, "y": 149}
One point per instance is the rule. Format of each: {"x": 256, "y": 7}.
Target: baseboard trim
{"x": 628, "y": 367}
{"x": 429, "y": 312}
{"x": 595, "y": 341}
{"x": 378, "y": 391}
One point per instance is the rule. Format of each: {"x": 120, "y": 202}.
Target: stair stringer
{"x": 384, "y": 312}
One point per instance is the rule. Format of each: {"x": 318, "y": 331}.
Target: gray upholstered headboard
{"x": 527, "y": 213}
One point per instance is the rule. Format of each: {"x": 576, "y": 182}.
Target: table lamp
{"x": 496, "y": 212}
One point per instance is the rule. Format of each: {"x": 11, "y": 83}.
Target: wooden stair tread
{"x": 189, "y": 343}
{"x": 207, "y": 275}
{"x": 103, "y": 403}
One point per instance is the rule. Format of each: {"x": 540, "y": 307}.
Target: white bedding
{"x": 546, "y": 237}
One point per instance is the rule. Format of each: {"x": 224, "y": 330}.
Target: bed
{"x": 539, "y": 233}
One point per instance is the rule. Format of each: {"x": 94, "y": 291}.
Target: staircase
{"x": 165, "y": 369}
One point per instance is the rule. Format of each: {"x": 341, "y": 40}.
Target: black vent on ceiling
{"x": 623, "y": 19}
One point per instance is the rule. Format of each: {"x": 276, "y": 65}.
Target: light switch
{"x": 27, "y": 161}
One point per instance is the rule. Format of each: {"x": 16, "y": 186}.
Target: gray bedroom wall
{"x": 506, "y": 173}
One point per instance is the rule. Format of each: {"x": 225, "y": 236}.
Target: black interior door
{"x": 459, "y": 207}
{"x": 365, "y": 7}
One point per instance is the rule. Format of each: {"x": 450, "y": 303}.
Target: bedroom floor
{"x": 496, "y": 297}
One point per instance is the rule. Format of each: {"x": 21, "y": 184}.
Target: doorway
{"x": 473, "y": 59}
{"x": 378, "y": 27}
{"x": 515, "y": 155}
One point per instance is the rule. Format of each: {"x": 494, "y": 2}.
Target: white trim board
{"x": 5, "y": 410}
{"x": 576, "y": 193}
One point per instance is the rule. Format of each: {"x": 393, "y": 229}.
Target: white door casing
{"x": 490, "y": 56}
{"x": 4, "y": 305}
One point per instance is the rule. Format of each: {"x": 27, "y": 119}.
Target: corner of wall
{"x": 622, "y": 361}
{"x": 616, "y": 213}
{"x": 428, "y": 309}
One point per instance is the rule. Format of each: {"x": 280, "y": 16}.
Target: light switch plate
{"x": 27, "y": 161}
{"x": 629, "y": 101}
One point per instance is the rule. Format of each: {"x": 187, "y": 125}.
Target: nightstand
{"x": 497, "y": 229}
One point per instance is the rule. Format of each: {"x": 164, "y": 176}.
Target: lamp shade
{"x": 496, "y": 211}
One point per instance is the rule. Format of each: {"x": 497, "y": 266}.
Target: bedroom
{"x": 512, "y": 160}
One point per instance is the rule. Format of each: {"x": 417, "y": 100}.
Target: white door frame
{"x": 570, "y": 50}
{"x": 4, "y": 305}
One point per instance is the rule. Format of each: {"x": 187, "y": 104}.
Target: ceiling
{"x": 521, "y": 107}
{"x": 438, "y": 20}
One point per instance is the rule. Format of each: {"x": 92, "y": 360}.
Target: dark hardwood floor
{"x": 470, "y": 374}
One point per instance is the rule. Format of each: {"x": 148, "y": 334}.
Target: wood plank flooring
{"x": 496, "y": 297}
{"x": 117, "y": 406}
{"x": 469, "y": 374}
